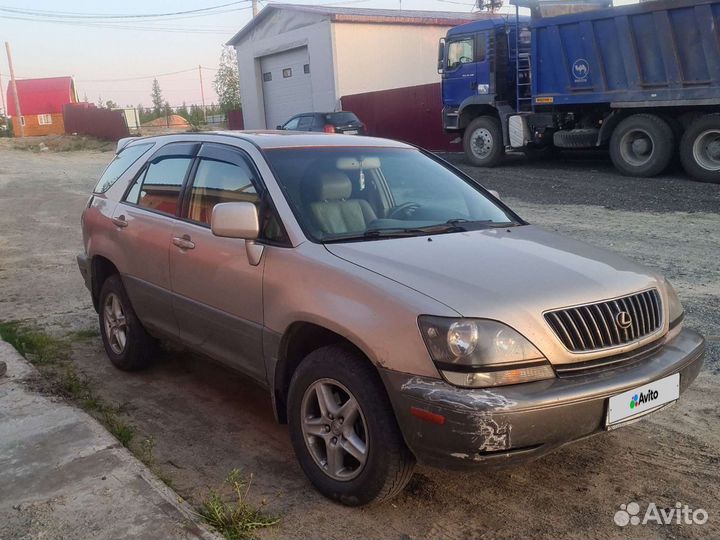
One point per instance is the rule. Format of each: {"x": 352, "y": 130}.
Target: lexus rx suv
{"x": 394, "y": 309}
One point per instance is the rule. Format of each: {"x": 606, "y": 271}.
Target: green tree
{"x": 183, "y": 111}
{"x": 110, "y": 104}
{"x": 157, "y": 98}
{"x": 227, "y": 81}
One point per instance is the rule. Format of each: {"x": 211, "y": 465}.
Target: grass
{"x": 35, "y": 345}
{"x": 84, "y": 334}
{"x": 237, "y": 519}
{"x": 51, "y": 356}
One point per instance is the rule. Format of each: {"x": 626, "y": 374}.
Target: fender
{"x": 610, "y": 122}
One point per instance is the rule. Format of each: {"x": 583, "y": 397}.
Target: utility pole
{"x": 18, "y": 112}
{"x": 254, "y": 7}
{"x": 2, "y": 94}
{"x": 202, "y": 94}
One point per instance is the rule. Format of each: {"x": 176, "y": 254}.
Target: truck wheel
{"x": 642, "y": 145}
{"x": 483, "y": 142}
{"x": 126, "y": 342}
{"x": 343, "y": 428}
{"x": 700, "y": 149}
{"x": 576, "y": 138}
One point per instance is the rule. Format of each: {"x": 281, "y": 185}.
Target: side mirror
{"x": 235, "y": 220}
{"x": 441, "y": 55}
{"x": 494, "y": 193}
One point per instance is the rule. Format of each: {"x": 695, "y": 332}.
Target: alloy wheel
{"x": 334, "y": 429}
{"x": 115, "y": 323}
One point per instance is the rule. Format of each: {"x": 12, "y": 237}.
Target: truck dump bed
{"x": 650, "y": 54}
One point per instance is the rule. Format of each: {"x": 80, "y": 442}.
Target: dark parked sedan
{"x": 329, "y": 122}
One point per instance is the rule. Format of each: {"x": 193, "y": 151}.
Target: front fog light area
{"x": 478, "y": 353}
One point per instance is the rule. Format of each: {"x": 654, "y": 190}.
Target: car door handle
{"x": 184, "y": 242}
{"x": 120, "y": 222}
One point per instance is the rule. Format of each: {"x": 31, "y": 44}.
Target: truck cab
{"x": 485, "y": 71}
{"x": 478, "y": 65}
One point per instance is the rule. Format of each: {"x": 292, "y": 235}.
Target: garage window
{"x": 306, "y": 68}
{"x": 267, "y": 77}
{"x": 287, "y": 73}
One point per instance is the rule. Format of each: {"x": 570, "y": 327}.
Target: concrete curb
{"x": 64, "y": 475}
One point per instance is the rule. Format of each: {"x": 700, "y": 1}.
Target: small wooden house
{"x": 41, "y": 105}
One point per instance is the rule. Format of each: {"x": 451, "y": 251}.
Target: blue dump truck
{"x": 642, "y": 80}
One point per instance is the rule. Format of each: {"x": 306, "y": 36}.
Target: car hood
{"x": 502, "y": 274}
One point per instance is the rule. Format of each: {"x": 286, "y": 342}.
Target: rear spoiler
{"x": 122, "y": 143}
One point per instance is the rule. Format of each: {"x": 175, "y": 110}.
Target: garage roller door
{"x": 286, "y": 85}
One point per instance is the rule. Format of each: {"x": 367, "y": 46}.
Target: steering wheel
{"x": 404, "y": 211}
{"x": 464, "y": 60}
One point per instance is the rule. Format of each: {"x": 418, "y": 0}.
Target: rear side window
{"x": 121, "y": 163}
{"x": 159, "y": 187}
{"x": 305, "y": 123}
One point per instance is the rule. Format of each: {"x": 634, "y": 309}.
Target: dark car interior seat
{"x": 329, "y": 206}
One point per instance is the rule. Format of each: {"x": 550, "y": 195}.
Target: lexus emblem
{"x": 623, "y": 319}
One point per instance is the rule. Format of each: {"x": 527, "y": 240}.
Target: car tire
{"x": 483, "y": 142}
{"x": 700, "y": 149}
{"x": 127, "y": 343}
{"x": 642, "y": 145}
{"x": 341, "y": 374}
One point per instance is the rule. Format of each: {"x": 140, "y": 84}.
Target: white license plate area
{"x": 351, "y": 132}
{"x": 640, "y": 401}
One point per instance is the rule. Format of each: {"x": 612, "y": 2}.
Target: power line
{"x": 116, "y": 26}
{"x": 105, "y": 16}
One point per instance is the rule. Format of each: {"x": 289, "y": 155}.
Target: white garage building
{"x": 296, "y": 58}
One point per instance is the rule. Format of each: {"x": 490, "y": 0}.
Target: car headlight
{"x": 479, "y": 353}
{"x": 676, "y": 312}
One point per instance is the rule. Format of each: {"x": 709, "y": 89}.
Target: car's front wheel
{"x": 343, "y": 428}
{"x": 127, "y": 343}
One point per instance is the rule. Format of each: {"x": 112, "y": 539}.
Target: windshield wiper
{"x": 398, "y": 232}
{"x": 450, "y": 226}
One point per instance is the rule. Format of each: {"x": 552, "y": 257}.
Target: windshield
{"x": 351, "y": 194}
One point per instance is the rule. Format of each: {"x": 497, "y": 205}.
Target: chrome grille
{"x": 594, "y": 327}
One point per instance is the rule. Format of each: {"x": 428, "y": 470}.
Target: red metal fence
{"x": 87, "y": 119}
{"x": 412, "y": 114}
{"x": 235, "y": 120}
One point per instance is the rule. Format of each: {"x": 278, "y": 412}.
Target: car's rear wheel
{"x": 127, "y": 343}
{"x": 343, "y": 428}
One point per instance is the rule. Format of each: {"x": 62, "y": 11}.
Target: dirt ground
{"x": 206, "y": 420}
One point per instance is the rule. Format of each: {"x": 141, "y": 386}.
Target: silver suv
{"x": 395, "y": 309}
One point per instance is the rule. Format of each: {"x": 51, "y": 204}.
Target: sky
{"x": 119, "y": 64}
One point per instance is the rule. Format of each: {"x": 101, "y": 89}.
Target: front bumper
{"x": 502, "y": 426}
